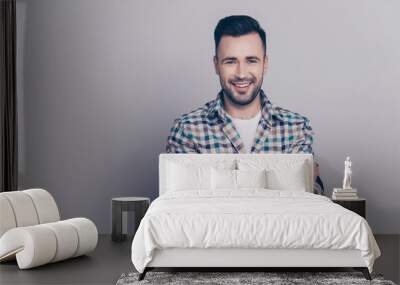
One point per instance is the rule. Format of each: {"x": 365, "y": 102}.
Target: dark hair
{"x": 238, "y": 25}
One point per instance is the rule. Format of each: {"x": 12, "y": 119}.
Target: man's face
{"x": 241, "y": 63}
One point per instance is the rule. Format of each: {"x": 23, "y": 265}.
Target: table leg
{"x": 116, "y": 222}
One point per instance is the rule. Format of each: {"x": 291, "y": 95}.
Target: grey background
{"x": 100, "y": 83}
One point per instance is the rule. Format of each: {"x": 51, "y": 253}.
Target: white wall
{"x": 103, "y": 81}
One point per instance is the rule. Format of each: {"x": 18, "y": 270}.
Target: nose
{"x": 241, "y": 70}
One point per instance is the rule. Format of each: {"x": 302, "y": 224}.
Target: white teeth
{"x": 242, "y": 84}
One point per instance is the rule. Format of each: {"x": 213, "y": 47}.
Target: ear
{"x": 266, "y": 63}
{"x": 216, "y": 65}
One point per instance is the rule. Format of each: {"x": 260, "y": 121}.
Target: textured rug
{"x": 270, "y": 278}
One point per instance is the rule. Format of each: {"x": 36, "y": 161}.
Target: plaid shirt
{"x": 208, "y": 129}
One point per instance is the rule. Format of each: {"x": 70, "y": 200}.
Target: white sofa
{"x": 31, "y": 231}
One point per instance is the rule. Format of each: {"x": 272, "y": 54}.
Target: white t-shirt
{"x": 247, "y": 129}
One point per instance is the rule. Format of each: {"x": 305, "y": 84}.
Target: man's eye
{"x": 252, "y": 61}
{"x": 229, "y": 62}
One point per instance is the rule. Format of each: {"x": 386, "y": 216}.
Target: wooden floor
{"x": 110, "y": 260}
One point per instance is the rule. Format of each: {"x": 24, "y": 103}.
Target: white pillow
{"x": 223, "y": 179}
{"x": 251, "y": 178}
{"x": 236, "y": 179}
{"x": 281, "y": 174}
{"x": 187, "y": 177}
{"x": 294, "y": 178}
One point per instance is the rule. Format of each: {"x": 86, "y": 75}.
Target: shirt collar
{"x": 267, "y": 109}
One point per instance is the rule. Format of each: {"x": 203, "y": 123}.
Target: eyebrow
{"x": 254, "y": 57}
{"x": 235, "y": 58}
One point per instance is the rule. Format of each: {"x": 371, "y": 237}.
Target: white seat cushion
{"x": 67, "y": 239}
{"x": 87, "y": 233}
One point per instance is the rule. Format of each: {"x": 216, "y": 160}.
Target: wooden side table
{"x": 358, "y": 205}
{"x": 138, "y": 205}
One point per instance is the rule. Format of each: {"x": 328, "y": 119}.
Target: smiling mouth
{"x": 242, "y": 85}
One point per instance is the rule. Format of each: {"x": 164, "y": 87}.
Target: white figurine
{"x": 347, "y": 174}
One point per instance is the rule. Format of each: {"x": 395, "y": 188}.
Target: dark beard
{"x": 242, "y": 103}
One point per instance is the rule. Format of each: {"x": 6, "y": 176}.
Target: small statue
{"x": 347, "y": 174}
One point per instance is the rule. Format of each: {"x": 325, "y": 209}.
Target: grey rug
{"x": 270, "y": 278}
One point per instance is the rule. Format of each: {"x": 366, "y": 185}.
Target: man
{"x": 241, "y": 119}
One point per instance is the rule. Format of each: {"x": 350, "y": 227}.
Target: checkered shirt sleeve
{"x": 179, "y": 141}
